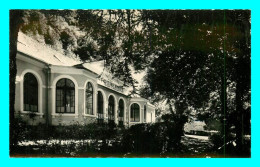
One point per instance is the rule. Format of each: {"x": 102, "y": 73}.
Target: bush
{"x": 230, "y": 147}
{"x": 103, "y": 138}
{"x": 152, "y": 138}
{"x": 107, "y": 137}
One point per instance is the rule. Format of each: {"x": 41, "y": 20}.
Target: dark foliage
{"x": 15, "y": 23}
{"x": 105, "y": 131}
{"x": 230, "y": 148}
{"x": 204, "y": 53}
{"x": 156, "y": 138}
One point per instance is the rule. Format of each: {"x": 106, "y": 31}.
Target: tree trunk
{"x": 239, "y": 108}
{"x": 15, "y": 23}
{"x": 223, "y": 100}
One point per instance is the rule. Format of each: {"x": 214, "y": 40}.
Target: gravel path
{"x": 196, "y": 145}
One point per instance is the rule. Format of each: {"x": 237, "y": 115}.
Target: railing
{"x": 120, "y": 118}
{"x": 134, "y": 120}
{"x": 100, "y": 118}
{"x": 111, "y": 117}
{"x": 121, "y": 121}
{"x": 100, "y": 115}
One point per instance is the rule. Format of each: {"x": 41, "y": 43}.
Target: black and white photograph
{"x": 128, "y": 83}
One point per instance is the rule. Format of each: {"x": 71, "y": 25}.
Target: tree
{"x": 15, "y": 23}
{"x": 206, "y": 52}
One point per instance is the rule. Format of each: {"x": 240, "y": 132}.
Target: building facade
{"x": 55, "y": 89}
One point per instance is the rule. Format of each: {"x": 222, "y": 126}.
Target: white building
{"x": 56, "y": 89}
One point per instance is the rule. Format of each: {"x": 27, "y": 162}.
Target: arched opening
{"x": 111, "y": 109}
{"x": 89, "y": 99}
{"x": 121, "y": 112}
{"x": 30, "y": 93}
{"x": 100, "y": 108}
{"x": 144, "y": 113}
{"x": 135, "y": 113}
{"x": 65, "y": 96}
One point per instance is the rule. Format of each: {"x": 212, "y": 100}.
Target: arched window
{"x": 121, "y": 112}
{"x": 111, "y": 108}
{"x": 135, "y": 113}
{"x": 89, "y": 99}
{"x": 65, "y": 96}
{"x": 144, "y": 113}
{"x": 100, "y": 107}
{"x": 30, "y": 93}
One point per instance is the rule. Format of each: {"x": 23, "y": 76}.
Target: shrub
{"x": 152, "y": 138}
{"x": 107, "y": 137}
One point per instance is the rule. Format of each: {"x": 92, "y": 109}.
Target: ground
{"x": 197, "y": 146}
{"x": 193, "y": 146}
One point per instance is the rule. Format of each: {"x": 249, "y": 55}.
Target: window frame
{"x": 20, "y": 80}
{"x": 111, "y": 117}
{"x": 53, "y": 86}
{"x": 87, "y": 91}
{"x": 100, "y": 116}
{"x": 145, "y": 113}
{"x": 123, "y": 111}
{"x": 30, "y": 89}
{"x": 65, "y": 90}
{"x": 130, "y": 116}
